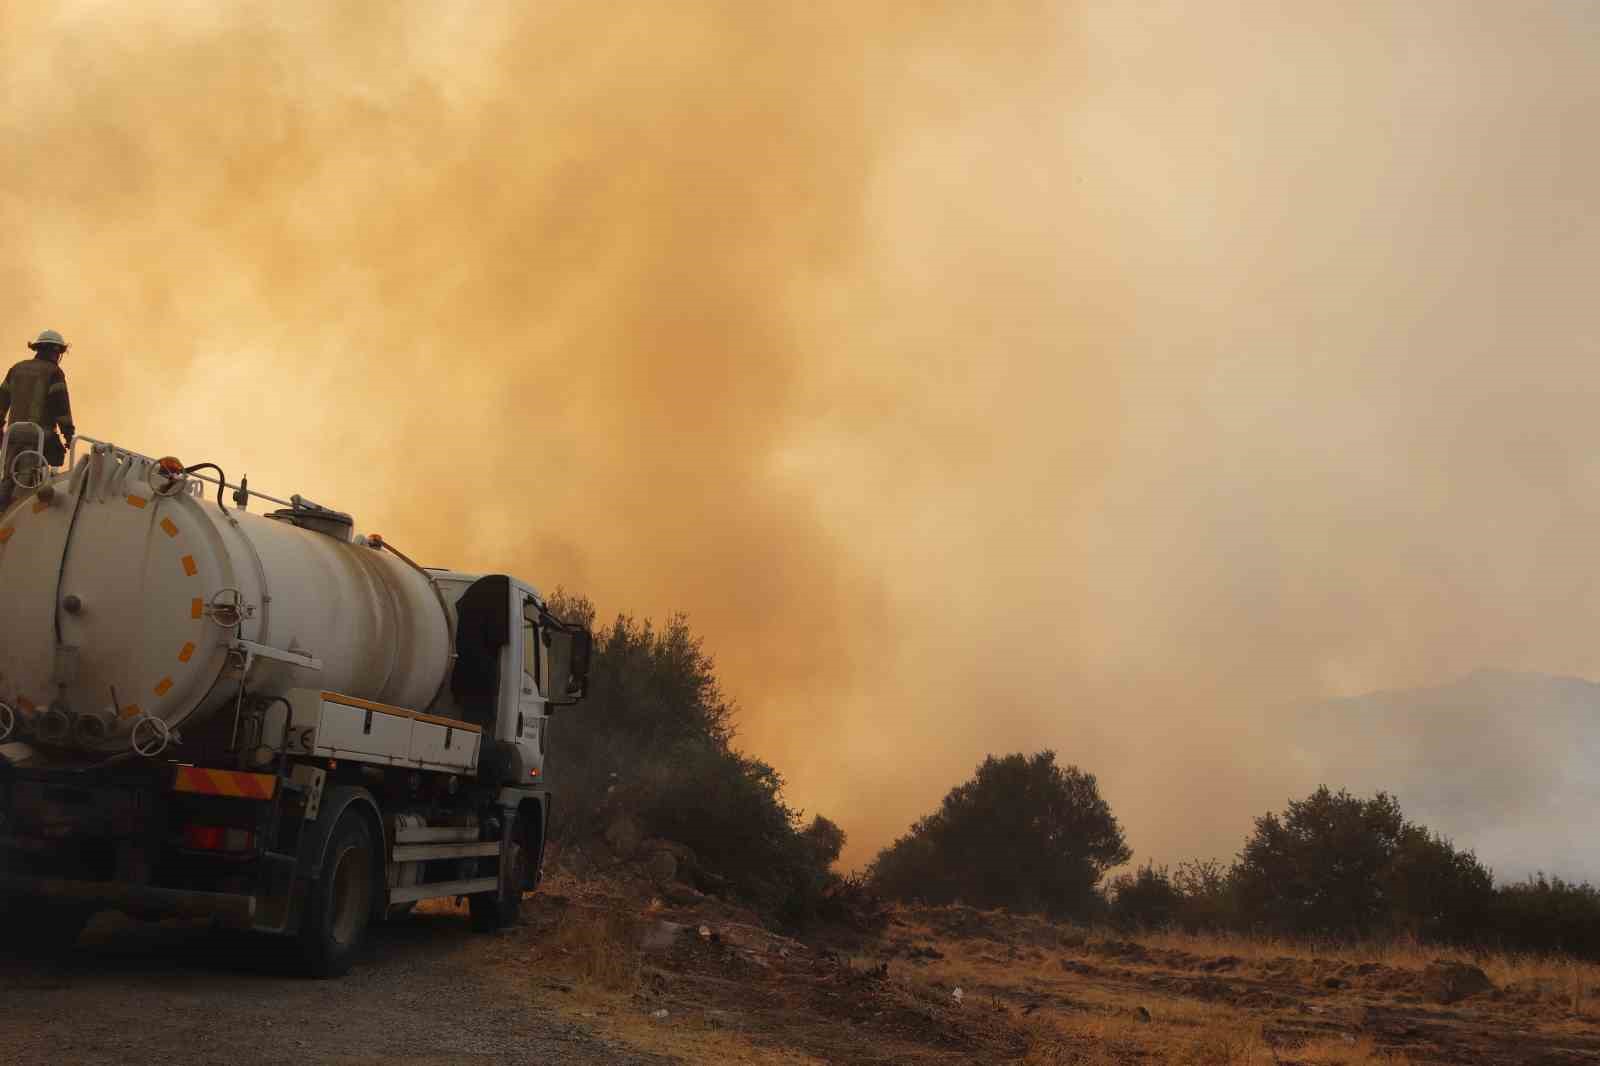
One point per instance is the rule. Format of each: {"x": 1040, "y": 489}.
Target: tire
{"x": 339, "y": 905}
{"x": 496, "y": 910}
{"x": 37, "y": 928}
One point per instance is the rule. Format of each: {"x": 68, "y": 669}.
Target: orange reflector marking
{"x": 137, "y": 501}
{"x": 189, "y": 567}
{"x": 5, "y": 534}
{"x": 169, "y": 527}
{"x": 26, "y": 704}
{"x": 131, "y": 711}
{"x": 186, "y": 654}
{"x": 197, "y": 608}
{"x": 224, "y": 783}
{"x": 164, "y": 686}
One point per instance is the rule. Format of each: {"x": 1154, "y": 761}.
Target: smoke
{"x": 977, "y": 378}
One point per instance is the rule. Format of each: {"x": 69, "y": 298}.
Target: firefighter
{"x": 35, "y": 390}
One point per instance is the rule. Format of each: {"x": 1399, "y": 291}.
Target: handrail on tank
{"x": 72, "y": 458}
{"x": 5, "y": 448}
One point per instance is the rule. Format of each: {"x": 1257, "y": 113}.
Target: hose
{"x": 222, "y": 480}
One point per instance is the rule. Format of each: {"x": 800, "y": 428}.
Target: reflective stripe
{"x": 234, "y": 783}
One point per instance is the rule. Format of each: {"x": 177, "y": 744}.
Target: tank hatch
{"x": 316, "y": 518}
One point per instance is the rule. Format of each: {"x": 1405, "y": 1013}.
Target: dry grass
{"x": 1049, "y": 996}
{"x": 599, "y": 948}
{"x": 1555, "y": 979}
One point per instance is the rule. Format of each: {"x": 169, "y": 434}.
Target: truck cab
{"x": 515, "y": 665}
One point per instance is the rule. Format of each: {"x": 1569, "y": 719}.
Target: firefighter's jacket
{"x": 35, "y": 390}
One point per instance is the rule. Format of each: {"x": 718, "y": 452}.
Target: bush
{"x": 1024, "y": 834}
{"x": 1144, "y": 899}
{"x": 1336, "y": 865}
{"x": 1207, "y": 897}
{"x": 654, "y": 738}
{"x": 1546, "y": 915}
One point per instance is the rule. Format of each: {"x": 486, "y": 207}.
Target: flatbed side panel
{"x": 364, "y": 734}
{"x": 443, "y": 747}
{"x": 359, "y": 730}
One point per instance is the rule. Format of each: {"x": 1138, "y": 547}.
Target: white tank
{"x": 119, "y": 604}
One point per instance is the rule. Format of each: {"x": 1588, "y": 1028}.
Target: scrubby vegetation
{"x": 1335, "y": 867}
{"x": 1024, "y": 833}
{"x": 651, "y": 750}
{"x": 1033, "y": 837}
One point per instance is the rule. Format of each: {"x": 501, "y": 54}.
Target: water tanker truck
{"x": 258, "y": 718}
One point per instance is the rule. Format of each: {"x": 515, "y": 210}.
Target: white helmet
{"x": 49, "y": 336}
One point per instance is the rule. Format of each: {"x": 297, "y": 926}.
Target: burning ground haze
{"x": 976, "y": 377}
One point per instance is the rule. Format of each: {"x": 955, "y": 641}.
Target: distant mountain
{"x": 1507, "y": 764}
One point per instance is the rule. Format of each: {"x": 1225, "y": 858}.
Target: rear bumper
{"x": 228, "y": 908}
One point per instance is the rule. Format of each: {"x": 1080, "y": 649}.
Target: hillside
{"x": 1507, "y": 764}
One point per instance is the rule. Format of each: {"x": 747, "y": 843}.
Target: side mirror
{"x": 570, "y": 651}
{"x": 578, "y": 679}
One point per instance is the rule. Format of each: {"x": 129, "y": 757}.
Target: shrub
{"x": 1546, "y": 914}
{"x": 1024, "y": 833}
{"x": 1336, "y": 865}
{"x": 656, "y": 731}
{"x": 1144, "y": 899}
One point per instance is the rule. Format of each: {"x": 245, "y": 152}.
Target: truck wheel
{"x": 495, "y": 910}
{"x": 339, "y": 905}
{"x": 36, "y": 928}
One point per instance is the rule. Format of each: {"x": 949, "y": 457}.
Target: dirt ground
{"x": 956, "y": 985}
{"x": 429, "y": 992}
{"x": 598, "y": 974}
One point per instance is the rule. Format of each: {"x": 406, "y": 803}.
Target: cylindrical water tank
{"x": 118, "y": 603}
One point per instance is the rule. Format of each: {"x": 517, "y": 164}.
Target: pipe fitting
{"x": 54, "y": 726}
{"x": 90, "y": 729}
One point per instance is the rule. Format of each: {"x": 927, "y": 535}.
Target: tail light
{"x": 217, "y": 838}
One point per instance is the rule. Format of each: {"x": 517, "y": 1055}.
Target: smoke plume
{"x": 977, "y": 377}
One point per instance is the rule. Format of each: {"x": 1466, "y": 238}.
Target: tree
{"x": 1334, "y": 864}
{"x": 652, "y": 744}
{"x": 1024, "y": 833}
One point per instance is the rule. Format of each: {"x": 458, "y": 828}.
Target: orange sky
{"x": 1091, "y": 376}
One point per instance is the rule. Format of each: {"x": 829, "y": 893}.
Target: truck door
{"x": 533, "y": 722}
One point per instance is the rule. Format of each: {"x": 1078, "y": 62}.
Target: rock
{"x": 1143, "y": 1015}
{"x": 705, "y": 932}
{"x": 623, "y": 837}
{"x": 681, "y": 895}
{"x": 663, "y": 867}
{"x": 1444, "y": 981}
{"x": 660, "y": 936}
{"x": 956, "y": 995}
{"x": 660, "y": 1014}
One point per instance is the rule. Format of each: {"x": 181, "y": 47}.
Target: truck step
{"x": 444, "y": 888}
{"x": 426, "y": 852}
{"x": 433, "y": 834}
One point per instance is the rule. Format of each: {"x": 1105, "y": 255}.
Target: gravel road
{"x": 430, "y": 991}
